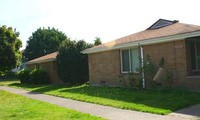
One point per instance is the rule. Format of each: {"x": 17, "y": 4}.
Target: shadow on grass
{"x": 39, "y": 88}
{"x": 168, "y": 99}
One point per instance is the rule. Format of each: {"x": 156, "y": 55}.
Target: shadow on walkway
{"x": 191, "y": 111}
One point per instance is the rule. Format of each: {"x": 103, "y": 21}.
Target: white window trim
{"x": 196, "y": 60}
{"x": 129, "y": 59}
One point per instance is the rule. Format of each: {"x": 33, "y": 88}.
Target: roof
{"x": 45, "y": 58}
{"x": 166, "y": 33}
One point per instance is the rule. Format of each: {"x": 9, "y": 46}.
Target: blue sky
{"x": 87, "y": 19}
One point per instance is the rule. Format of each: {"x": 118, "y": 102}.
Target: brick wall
{"x": 174, "y": 54}
{"x": 104, "y": 68}
{"x": 51, "y": 69}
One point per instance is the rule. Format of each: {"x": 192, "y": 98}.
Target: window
{"x": 195, "y": 56}
{"x": 125, "y": 60}
{"x": 129, "y": 60}
{"x": 37, "y": 66}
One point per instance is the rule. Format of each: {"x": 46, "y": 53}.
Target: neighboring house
{"x": 21, "y": 66}
{"x": 178, "y": 43}
{"x": 47, "y": 63}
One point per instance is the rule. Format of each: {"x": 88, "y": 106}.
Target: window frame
{"x": 196, "y": 57}
{"x": 37, "y": 66}
{"x": 130, "y": 62}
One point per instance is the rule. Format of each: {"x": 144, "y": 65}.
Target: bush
{"x": 39, "y": 76}
{"x": 35, "y": 76}
{"x": 8, "y": 75}
{"x": 24, "y": 76}
{"x": 72, "y": 64}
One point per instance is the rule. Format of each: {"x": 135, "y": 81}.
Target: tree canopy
{"x": 97, "y": 41}
{"x": 43, "y": 41}
{"x": 10, "y": 55}
{"x": 72, "y": 64}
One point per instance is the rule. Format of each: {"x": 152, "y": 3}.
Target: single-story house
{"x": 48, "y": 63}
{"x": 178, "y": 43}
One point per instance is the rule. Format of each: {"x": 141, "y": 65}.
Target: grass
{"x": 163, "y": 101}
{"x": 16, "y": 107}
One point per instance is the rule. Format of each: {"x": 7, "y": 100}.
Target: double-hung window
{"x": 129, "y": 60}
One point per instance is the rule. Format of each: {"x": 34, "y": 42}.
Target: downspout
{"x": 142, "y": 64}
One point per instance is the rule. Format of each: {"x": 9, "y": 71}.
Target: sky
{"x": 87, "y": 19}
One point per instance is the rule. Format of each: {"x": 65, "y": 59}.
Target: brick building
{"x": 47, "y": 63}
{"x": 178, "y": 43}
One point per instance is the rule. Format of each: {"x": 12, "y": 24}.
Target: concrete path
{"x": 189, "y": 112}
{"x": 105, "y": 111}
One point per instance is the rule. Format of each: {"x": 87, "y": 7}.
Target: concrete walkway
{"x": 105, "y": 111}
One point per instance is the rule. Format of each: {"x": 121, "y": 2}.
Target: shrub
{"x": 149, "y": 69}
{"x": 24, "y": 76}
{"x": 162, "y": 62}
{"x": 72, "y": 64}
{"x": 35, "y": 76}
{"x": 135, "y": 81}
{"x": 39, "y": 76}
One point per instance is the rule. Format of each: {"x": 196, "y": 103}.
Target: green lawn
{"x": 162, "y": 101}
{"x": 16, "y": 107}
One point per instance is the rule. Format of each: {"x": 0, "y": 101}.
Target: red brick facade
{"x": 174, "y": 54}
{"x": 104, "y": 67}
{"x": 50, "y": 68}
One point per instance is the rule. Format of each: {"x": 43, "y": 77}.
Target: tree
{"x": 43, "y": 41}
{"x": 97, "y": 41}
{"x": 72, "y": 64}
{"x": 10, "y": 55}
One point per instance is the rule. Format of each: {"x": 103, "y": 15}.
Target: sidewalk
{"x": 105, "y": 111}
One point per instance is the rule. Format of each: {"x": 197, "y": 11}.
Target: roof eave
{"x": 41, "y": 61}
{"x": 144, "y": 42}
